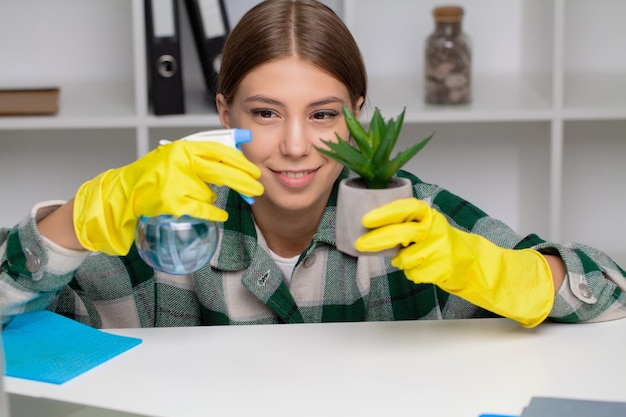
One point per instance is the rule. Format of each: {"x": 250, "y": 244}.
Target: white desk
{"x": 423, "y": 368}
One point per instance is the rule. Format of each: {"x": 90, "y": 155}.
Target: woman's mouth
{"x": 295, "y": 179}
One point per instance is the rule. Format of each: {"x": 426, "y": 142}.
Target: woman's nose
{"x": 296, "y": 142}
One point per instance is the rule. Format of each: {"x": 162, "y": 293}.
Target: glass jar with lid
{"x": 448, "y": 59}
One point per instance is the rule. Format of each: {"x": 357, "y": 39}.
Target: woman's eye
{"x": 324, "y": 115}
{"x": 263, "y": 113}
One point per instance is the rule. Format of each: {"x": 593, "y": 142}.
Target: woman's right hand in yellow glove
{"x": 172, "y": 179}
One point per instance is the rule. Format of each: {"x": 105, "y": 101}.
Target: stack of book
{"x": 29, "y": 101}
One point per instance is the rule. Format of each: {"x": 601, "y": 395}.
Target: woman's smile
{"x": 295, "y": 179}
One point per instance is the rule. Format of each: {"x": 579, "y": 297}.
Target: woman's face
{"x": 290, "y": 105}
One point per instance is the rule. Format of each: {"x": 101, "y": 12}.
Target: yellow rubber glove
{"x": 172, "y": 179}
{"x": 512, "y": 283}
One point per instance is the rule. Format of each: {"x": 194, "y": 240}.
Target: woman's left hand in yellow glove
{"x": 512, "y": 283}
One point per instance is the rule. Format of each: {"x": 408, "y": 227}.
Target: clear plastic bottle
{"x": 176, "y": 245}
{"x": 448, "y": 59}
{"x": 182, "y": 245}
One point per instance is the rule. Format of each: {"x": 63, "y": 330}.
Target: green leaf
{"x": 383, "y": 153}
{"x": 362, "y": 170}
{"x": 402, "y": 158}
{"x": 342, "y": 152}
{"x": 394, "y": 128}
{"x": 357, "y": 132}
{"x": 377, "y": 130}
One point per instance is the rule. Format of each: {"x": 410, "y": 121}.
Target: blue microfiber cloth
{"x": 45, "y": 346}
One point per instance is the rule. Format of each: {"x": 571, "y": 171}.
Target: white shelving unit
{"x": 542, "y": 145}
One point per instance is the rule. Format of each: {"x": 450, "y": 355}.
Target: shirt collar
{"x": 238, "y": 237}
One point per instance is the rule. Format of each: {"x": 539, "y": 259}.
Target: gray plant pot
{"x": 354, "y": 201}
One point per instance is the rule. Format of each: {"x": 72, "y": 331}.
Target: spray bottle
{"x": 182, "y": 245}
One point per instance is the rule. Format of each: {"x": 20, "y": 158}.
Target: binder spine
{"x": 210, "y": 27}
{"x": 165, "y": 76}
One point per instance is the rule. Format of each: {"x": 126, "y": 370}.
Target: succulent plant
{"x": 371, "y": 158}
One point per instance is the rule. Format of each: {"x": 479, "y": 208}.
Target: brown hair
{"x": 275, "y": 29}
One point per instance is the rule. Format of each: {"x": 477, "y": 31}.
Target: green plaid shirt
{"x": 242, "y": 284}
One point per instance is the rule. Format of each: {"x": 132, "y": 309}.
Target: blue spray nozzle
{"x": 241, "y": 136}
{"x": 229, "y": 137}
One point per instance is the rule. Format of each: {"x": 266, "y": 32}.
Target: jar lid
{"x": 448, "y": 13}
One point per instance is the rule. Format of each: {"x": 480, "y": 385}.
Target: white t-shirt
{"x": 286, "y": 265}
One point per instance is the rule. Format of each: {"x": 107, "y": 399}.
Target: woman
{"x": 287, "y": 69}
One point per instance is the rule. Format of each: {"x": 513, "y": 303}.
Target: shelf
{"x": 110, "y": 105}
{"x": 495, "y": 98}
{"x": 85, "y": 105}
{"x": 498, "y": 98}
